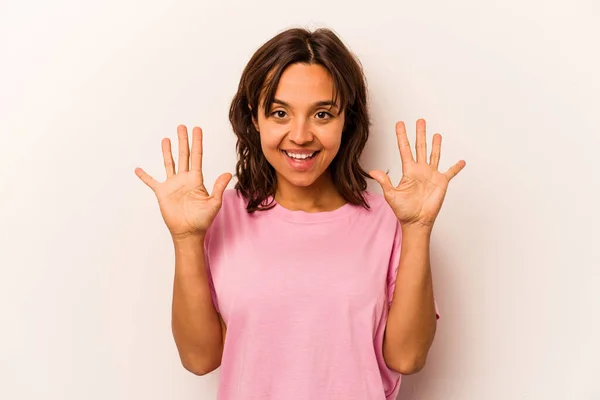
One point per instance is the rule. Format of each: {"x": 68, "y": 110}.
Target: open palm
{"x": 419, "y": 196}
{"x": 185, "y": 204}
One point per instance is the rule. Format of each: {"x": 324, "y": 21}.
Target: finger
{"x": 436, "y": 151}
{"x": 421, "y": 143}
{"x": 220, "y": 186}
{"x": 455, "y": 169}
{"x": 383, "y": 180}
{"x": 168, "y": 157}
{"x": 147, "y": 179}
{"x": 403, "y": 143}
{"x": 184, "y": 149}
{"x": 196, "y": 163}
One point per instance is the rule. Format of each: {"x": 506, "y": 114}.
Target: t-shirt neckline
{"x": 301, "y": 216}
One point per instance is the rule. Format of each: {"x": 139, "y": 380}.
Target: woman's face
{"x": 303, "y": 130}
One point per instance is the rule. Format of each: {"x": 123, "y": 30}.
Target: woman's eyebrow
{"x": 321, "y": 103}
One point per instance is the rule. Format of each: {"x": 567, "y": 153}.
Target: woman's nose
{"x": 301, "y": 133}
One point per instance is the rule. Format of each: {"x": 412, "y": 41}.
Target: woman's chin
{"x": 306, "y": 182}
{"x": 301, "y": 180}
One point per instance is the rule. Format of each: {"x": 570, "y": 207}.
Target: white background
{"x": 88, "y": 90}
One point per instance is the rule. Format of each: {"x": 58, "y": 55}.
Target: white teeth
{"x": 300, "y": 156}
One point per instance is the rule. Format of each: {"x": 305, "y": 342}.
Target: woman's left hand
{"x": 418, "y": 198}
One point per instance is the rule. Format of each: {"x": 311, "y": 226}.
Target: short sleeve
{"x": 211, "y": 285}
{"x": 393, "y": 268}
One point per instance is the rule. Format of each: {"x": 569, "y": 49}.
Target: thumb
{"x": 383, "y": 180}
{"x": 220, "y": 185}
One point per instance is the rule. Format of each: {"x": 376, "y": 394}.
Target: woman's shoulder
{"x": 376, "y": 201}
{"x": 232, "y": 211}
{"x": 374, "y": 198}
{"x": 379, "y": 211}
{"x": 233, "y": 203}
{"x": 232, "y": 196}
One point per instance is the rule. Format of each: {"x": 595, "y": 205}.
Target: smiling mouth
{"x": 300, "y": 157}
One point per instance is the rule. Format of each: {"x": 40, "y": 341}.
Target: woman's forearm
{"x": 195, "y": 323}
{"x": 411, "y": 323}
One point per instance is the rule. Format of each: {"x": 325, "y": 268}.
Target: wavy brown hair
{"x": 257, "y": 180}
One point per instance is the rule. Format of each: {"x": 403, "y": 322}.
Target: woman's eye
{"x": 279, "y": 114}
{"x": 323, "y": 115}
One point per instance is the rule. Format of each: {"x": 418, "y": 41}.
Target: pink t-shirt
{"x": 305, "y": 297}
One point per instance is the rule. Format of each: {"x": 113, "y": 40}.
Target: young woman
{"x": 300, "y": 283}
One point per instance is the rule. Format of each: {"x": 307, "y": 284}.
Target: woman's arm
{"x": 411, "y": 322}
{"x": 416, "y": 202}
{"x": 198, "y": 330}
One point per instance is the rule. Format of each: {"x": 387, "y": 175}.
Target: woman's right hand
{"x": 186, "y": 207}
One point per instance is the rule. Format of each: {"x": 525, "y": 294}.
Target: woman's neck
{"x": 321, "y": 196}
